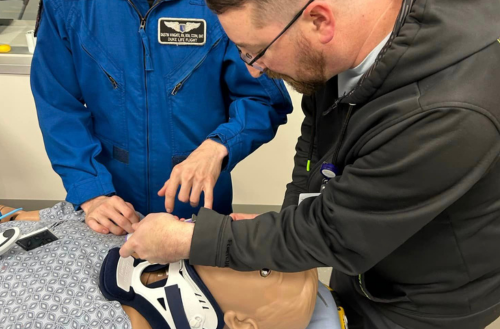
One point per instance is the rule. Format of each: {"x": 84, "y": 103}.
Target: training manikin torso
{"x": 57, "y": 284}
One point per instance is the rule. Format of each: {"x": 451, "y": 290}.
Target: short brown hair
{"x": 221, "y": 6}
{"x": 264, "y": 9}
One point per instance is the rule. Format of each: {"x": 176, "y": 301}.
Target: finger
{"x": 170, "y": 193}
{"x": 163, "y": 189}
{"x": 95, "y": 226}
{"x": 127, "y": 212}
{"x": 194, "y": 200}
{"x": 135, "y": 226}
{"x": 239, "y": 216}
{"x": 119, "y": 220}
{"x": 127, "y": 250}
{"x": 110, "y": 225}
{"x": 118, "y": 205}
{"x": 209, "y": 197}
{"x": 130, "y": 205}
{"x": 184, "y": 192}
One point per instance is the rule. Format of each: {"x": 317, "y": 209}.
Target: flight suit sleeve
{"x": 65, "y": 121}
{"x": 257, "y": 108}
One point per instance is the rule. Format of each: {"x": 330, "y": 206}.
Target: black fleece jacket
{"x": 412, "y": 224}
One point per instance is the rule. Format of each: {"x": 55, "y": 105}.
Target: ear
{"x": 232, "y": 321}
{"x": 320, "y": 14}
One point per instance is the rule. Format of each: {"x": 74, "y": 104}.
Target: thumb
{"x": 126, "y": 250}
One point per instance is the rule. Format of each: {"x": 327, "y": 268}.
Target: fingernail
{"x": 168, "y": 210}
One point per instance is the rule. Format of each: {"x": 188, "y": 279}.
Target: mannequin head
{"x": 251, "y": 301}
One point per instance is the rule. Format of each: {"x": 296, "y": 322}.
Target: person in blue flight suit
{"x": 137, "y": 98}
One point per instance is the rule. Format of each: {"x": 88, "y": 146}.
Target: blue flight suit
{"x": 125, "y": 91}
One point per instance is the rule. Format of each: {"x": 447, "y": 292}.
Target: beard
{"x": 310, "y": 72}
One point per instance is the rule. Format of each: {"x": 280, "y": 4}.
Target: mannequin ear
{"x": 232, "y": 321}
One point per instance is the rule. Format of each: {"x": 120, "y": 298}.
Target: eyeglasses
{"x": 250, "y": 60}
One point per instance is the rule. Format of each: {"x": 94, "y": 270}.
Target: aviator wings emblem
{"x": 182, "y": 28}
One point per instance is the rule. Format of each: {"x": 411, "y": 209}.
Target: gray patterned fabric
{"x": 55, "y": 286}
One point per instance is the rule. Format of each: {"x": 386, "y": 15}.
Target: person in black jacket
{"x": 400, "y": 136}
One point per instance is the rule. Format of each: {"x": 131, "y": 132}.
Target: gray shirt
{"x": 56, "y": 285}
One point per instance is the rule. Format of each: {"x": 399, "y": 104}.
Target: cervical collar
{"x": 182, "y": 301}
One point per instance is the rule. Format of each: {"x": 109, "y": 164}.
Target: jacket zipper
{"x": 343, "y": 132}
{"x": 110, "y": 78}
{"x": 361, "y": 286}
{"x": 142, "y": 26}
{"x": 179, "y": 85}
{"x": 313, "y": 136}
{"x": 405, "y": 10}
{"x": 338, "y": 146}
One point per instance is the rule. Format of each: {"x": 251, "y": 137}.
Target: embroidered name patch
{"x": 182, "y": 31}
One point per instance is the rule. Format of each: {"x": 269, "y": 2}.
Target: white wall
{"x": 262, "y": 177}
{"x": 25, "y": 172}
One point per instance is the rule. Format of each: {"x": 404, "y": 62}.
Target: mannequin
{"x": 249, "y": 300}
{"x": 20, "y": 215}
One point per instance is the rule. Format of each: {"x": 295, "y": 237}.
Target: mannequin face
{"x": 250, "y": 301}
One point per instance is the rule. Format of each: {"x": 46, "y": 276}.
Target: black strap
{"x": 174, "y": 300}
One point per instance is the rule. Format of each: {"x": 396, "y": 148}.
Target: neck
{"x": 380, "y": 28}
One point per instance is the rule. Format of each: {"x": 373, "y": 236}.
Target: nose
{"x": 254, "y": 72}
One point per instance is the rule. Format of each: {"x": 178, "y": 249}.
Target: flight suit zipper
{"x": 110, "y": 78}
{"x": 147, "y": 66}
{"x": 179, "y": 85}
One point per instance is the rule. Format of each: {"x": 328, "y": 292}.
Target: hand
{"x": 110, "y": 214}
{"x": 199, "y": 172}
{"x": 239, "y": 216}
{"x": 160, "y": 238}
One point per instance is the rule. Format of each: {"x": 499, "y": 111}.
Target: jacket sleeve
{"x": 256, "y": 109}
{"x": 65, "y": 122}
{"x": 300, "y": 174}
{"x": 403, "y": 178}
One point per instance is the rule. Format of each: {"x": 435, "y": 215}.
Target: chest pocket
{"x": 195, "y": 94}
{"x": 103, "y": 89}
{"x": 176, "y": 79}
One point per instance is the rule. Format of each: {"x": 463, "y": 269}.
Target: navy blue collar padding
{"x": 110, "y": 290}
{"x": 176, "y": 306}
